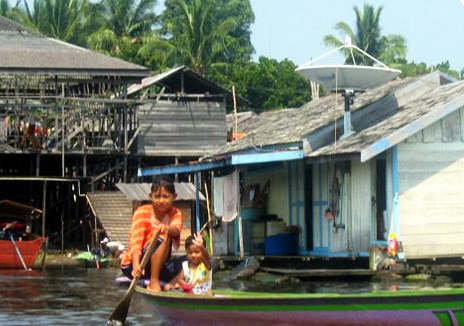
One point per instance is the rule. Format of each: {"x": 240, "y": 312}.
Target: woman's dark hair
{"x": 163, "y": 182}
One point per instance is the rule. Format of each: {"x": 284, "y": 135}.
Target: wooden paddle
{"x": 18, "y": 252}
{"x": 118, "y": 317}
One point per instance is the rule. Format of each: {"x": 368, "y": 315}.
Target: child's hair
{"x": 189, "y": 241}
{"x": 163, "y": 182}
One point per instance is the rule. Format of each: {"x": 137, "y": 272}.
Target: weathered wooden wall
{"x": 321, "y": 226}
{"x": 296, "y": 200}
{"x": 431, "y": 181}
{"x": 360, "y": 222}
{"x": 183, "y": 128}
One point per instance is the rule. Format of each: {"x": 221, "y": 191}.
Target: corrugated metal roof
{"x": 375, "y": 114}
{"x": 183, "y": 80}
{"x": 413, "y": 116}
{"x": 141, "y": 191}
{"x": 7, "y": 24}
{"x": 152, "y": 80}
{"x": 23, "y": 52}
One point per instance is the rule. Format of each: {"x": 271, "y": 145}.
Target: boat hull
{"x": 29, "y": 250}
{"x": 444, "y": 307}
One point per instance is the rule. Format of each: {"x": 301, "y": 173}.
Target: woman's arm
{"x": 174, "y": 227}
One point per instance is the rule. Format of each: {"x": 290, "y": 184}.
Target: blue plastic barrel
{"x": 282, "y": 244}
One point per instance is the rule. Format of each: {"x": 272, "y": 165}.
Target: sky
{"x": 294, "y": 29}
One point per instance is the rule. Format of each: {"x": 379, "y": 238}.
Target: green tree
{"x": 367, "y": 36}
{"x": 65, "y": 20}
{"x": 204, "y": 34}
{"x": 270, "y": 84}
{"x": 125, "y": 24}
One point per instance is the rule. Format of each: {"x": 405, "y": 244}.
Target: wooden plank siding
{"x": 181, "y": 128}
{"x": 359, "y": 227}
{"x": 431, "y": 174}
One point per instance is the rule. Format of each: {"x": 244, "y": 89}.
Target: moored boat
{"x": 227, "y": 307}
{"x": 20, "y": 244}
{"x": 27, "y": 250}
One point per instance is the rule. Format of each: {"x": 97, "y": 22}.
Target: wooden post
{"x": 37, "y": 165}
{"x": 235, "y": 114}
{"x": 197, "y": 202}
{"x": 44, "y": 206}
{"x": 62, "y": 132}
{"x": 209, "y": 220}
{"x": 126, "y": 135}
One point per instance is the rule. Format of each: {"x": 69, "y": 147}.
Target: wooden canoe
{"x": 403, "y": 307}
{"x": 29, "y": 250}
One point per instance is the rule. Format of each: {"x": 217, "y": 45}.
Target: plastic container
{"x": 283, "y": 244}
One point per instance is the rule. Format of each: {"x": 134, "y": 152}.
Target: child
{"x": 195, "y": 276}
{"x": 146, "y": 221}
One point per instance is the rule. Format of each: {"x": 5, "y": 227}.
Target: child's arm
{"x": 175, "y": 282}
{"x": 198, "y": 241}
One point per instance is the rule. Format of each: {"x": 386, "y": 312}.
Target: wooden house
{"x": 400, "y": 171}
{"x": 74, "y": 123}
{"x": 182, "y": 116}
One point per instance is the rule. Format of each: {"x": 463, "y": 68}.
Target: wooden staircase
{"x": 114, "y": 212}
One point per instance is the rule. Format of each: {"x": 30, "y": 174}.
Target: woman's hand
{"x": 136, "y": 270}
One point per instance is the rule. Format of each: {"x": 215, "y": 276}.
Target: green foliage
{"x": 270, "y": 84}
{"x": 212, "y": 37}
{"x": 204, "y": 34}
{"x": 367, "y": 36}
{"x": 412, "y": 69}
{"x": 124, "y": 25}
{"x": 65, "y": 20}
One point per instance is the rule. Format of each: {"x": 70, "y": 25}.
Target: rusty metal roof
{"x": 141, "y": 191}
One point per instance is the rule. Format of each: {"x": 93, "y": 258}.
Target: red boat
{"x": 28, "y": 251}
{"x": 20, "y": 245}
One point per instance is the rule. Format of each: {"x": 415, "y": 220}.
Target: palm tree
{"x": 197, "y": 34}
{"x": 60, "y": 19}
{"x": 367, "y": 36}
{"x": 124, "y": 24}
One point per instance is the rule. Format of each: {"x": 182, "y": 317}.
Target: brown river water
{"x": 70, "y": 296}
{"x": 78, "y": 296}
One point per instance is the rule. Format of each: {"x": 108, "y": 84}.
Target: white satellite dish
{"x": 341, "y": 77}
{"x": 352, "y": 77}
{"x": 348, "y": 79}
